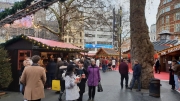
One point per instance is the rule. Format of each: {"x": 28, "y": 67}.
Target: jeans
{"x": 133, "y": 81}
{"x": 62, "y": 84}
{"x": 176, "y": 81}
{"x": 50, "y": 77}
{"x": 92, "y": 91}
{"x": 21, "y": 87}
{"x": 104, "y": 68}
{"x": 126, "y": 79}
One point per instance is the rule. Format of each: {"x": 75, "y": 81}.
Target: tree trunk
{"x": 141, "y": 47}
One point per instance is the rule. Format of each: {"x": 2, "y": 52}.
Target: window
{"x": 70, "y": 40}
{"x": 167, "y": 28}
{"x": 89, "y": 35}
{"x": 104, "y": 36}
{"x": 103, "y": 42}
{"x": 177, "y": 28}
{"x": 167, "y": 19}
{"x": 167, "y": 9}
{"x": 80, "y": 40}
{"x": 65, "y": 39}
{"x": 162, "y": 20}
{"x": 90, "y": 42}
{"x": 177, "y": 16}
{"x": 80, "y": 34}
{"x": 90, "y": 49}
{"x": 177, "y": 6}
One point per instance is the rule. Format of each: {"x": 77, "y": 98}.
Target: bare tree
{"x": 141, "y": 47}
{"x": 72, "y": 16}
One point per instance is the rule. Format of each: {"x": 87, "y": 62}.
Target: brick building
{"x": 168, "y": 17}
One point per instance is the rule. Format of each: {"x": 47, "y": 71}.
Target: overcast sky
{"x": 151, "y": 9}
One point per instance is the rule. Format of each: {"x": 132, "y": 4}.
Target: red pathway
{"x": 164, "y": 76}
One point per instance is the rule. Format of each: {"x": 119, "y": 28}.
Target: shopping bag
{"x": 100, "y": 89}
{"x": 56, "y": 85}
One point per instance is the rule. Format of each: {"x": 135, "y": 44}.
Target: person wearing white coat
{"x": 72, "y": 90}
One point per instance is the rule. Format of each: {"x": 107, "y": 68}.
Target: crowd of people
{"x": 73, "y": 76}
{"x": 76, "y": 73}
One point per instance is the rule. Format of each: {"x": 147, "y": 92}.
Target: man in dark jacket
{"x": 157, "y": 66}
{"x": 136, "y": 75}
{"x": 123, "y": 70}
{"x": 51, "y": 70}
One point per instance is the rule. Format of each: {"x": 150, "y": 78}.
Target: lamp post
{"x": 120, "y": 31}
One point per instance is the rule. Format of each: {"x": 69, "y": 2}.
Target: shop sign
{"x": 173, "y": 49}
{"x": 163, "y": 53}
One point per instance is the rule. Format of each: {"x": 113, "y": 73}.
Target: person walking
{"x": 136, "y": 75}
{"x": 72, "y": 90}
{"x": 51, "y": 70}
{"x": 171, "y": 77}
{"x": 114, "y": 64}
{"x": 123, "y": 70}
{"x": 83, "y": 74}
{"x": 176, "y": 69}
{"x": 104, "y": 64}
{"x": 97, "y": 62}
{"x": 157, "y": 66}
{"x": 34, "y": 78}
{"x": 27, "y": 62}
{"x": 93, "y": 79}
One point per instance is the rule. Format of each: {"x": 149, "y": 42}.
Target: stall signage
{"x": 170, "y": 50}
{"x": 173, "y": 49}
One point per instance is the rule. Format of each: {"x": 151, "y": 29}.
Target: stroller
{"x": 62, "y": 71}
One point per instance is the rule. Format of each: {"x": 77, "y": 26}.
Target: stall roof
{"x": 160, "y": 45}
{"x": 44, "y": 43}
{"x": 107, "y": 51}
{"x": 52, "y": 43}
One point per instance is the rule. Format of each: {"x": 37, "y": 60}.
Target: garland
{"x": 18, "y": 6}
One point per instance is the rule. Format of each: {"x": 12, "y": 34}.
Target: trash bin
{"x": 154, "y": 87}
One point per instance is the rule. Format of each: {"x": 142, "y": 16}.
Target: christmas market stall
{"x": 167, "y": 55}
{"x": 23, "y": 46}
{"x": 107, "y": 52}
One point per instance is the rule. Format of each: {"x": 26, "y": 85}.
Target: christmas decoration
{"x": 5, "y": 69}
{"x": 17, "y": 6}
{"x": 41, "y": 45}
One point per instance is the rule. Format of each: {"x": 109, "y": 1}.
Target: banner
{"x": 98, "y": 46}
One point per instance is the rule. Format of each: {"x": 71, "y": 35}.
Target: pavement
{"x": 112, "y": 92}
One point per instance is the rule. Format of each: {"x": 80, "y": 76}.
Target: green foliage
{"x": 5, "y": 69}
{"x": 17, "y": 6}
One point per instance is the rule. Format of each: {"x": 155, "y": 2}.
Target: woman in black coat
{"x": 80, "y": 72}
{"x": 171, "y": 78}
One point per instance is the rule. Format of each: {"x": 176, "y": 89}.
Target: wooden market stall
{"x": 107, "y": 52}
{"x": 23, "y": 46}
{"x": 169, "y": 54}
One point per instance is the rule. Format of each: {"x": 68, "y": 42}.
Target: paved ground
{"x": 112, "y": 92}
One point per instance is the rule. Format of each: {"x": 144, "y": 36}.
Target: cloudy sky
{"x": 151, "y": 9}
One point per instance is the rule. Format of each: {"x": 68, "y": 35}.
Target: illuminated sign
{"x": 98, "y": 46}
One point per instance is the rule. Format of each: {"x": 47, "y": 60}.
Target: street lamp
{"x": 120, "y": 31}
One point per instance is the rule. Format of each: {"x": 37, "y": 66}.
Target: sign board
{"x": 98, "y": 46}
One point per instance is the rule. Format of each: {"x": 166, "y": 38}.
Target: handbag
{"x": 56, "y": 85}
{"x": 100, "y": 89}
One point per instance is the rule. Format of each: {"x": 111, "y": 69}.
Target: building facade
{"x": 152, "y": 33}
{"x": 168, "y": 17}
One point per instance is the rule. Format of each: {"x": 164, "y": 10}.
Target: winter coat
{"x": 72, "y": 90}
{"x": 51, "y": 67}
{"x": 176, "y": 69}
{"x": 59, "y": 71}
{"x": 137, "y": 70}
{"x": 34, "y": 78}
{"x": 93, "y": 75}
{"x": 123, "y": 68}
{"x": 82, "y": 84}
{"x": 171, "y": 76}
